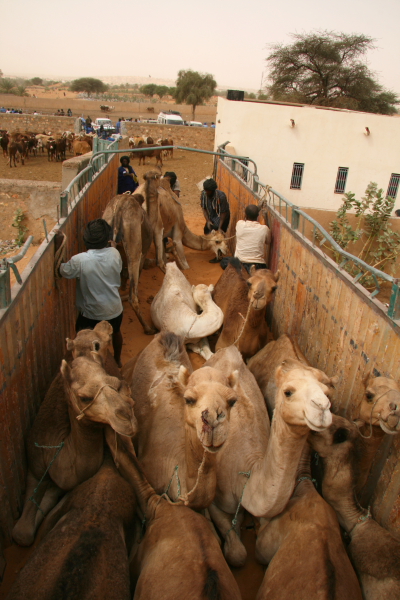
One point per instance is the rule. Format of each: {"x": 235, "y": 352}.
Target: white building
{"x": 311, "y": 155}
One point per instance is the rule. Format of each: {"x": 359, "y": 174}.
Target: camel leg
{"x": 202, "y": 347}
{"x": 134, "y": 297}
{"x": 180, "y": 251}
{"x": 25, "y": 528}
{"x": 158, "y": 242}
{"x": 234, "y": 550}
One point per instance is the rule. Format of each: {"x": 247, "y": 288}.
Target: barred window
{"x": 341, "y": 178}
{"x": 297, "y": 176}
{"x": 393, "y": 185}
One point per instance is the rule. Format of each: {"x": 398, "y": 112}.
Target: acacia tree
{"x": 90, "y": 85}
{"x": 149, "y": 89}
{"x": 193, "y": 88}
{"x": 327, "y": 69}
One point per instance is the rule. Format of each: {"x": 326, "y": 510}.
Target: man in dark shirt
{"x": 127, "y": 178}
{"x": 215, "y": 209}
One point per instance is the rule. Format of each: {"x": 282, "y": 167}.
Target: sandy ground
{"x": 36, "y": 168}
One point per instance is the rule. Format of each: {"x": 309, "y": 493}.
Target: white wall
{"x": 322, "y": 139}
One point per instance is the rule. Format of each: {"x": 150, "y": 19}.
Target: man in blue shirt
{"x": 127, "y": 178}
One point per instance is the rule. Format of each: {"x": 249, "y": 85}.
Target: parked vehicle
{"x": 170, "y": 118}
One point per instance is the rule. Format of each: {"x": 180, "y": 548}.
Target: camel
{"x": 65, "y": 444}
{"x": 179, "y": 556}
{"x": 97, "y": 340}
{"x": 256, "y": 467}
{"x": 263, "y": 366}
{"x": 175, "y": 306}
{"x": 183, "y": 419}
{"x": 244, "y": 303}
{"x": 168, "y": 218}
{"x": 84, "y": 553}
{"x": 304, "y": 548}
{"x": 374, "y": 552}
{"x": 131, "y": 228}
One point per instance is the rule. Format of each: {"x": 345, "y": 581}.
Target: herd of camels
{"x": 139, "y": 478}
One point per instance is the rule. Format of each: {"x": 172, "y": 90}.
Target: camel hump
{"x": 236, "y": 264}
{"x": 212, "y": 589}
{"x": 172, "y": 345}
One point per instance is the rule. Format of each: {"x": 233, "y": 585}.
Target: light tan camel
{"x": 304, "y": 548}
{"x": 179, "y": 556}
{"x": 131, "y": 228}
{"x": 264, "y": 364}
{"x": 96, "y": 340}
{"x": 171, "y": 220}
{"x": 256, "y": 468}
{"x": 84, "y": 553}
{"x": 65, "y": 444}
{"x": 374, "y": 552}
{"x": 175, "y": 307}
{"x": 183, "y": 419}
{"x": 244, "y": 303}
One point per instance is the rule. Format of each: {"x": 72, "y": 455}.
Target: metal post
{"x": 64, "y": 204}
{"x": 394, "y": 305}
{"x": 295, "y": 217}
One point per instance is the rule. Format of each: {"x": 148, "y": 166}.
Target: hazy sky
{"x": 228, "y": 39}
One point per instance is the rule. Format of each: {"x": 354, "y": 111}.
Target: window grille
{"x": 393, "y": 185}
{"x": 297, "y": 176}
{"x": 341, "y": 178}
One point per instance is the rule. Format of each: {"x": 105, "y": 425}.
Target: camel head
{"x": 301, "y": 397}
{"x": 152, "y": 176}
{"x": 88, "y": 340}
{"x": 202, "y": 293}
{"x": 209, "y": 396}
{"x": 336, "y": 441}
{"x": 380, "y": 405}
{"x": 97, "y": 396}
{"x": 217, "y": 243}
{"x": 262, "y": 283}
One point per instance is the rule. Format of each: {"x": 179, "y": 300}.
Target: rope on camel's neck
{"x": 244, "y": 324}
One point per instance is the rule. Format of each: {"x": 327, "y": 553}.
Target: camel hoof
{"x": 150, "y": 331}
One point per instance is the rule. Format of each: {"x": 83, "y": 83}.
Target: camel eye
{"x": 288, "y": 393}
{"x": 190, "y": 401}
{"x": 248, "y": 283}
{"x": 274, "y": 288}
{"x": 232, "y": 402}
{"x": 369, "y": 396}
{"x": 85, "y": 398}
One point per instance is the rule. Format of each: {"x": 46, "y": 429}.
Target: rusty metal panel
{"x": 32, "y": 335}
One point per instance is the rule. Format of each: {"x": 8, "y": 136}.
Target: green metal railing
{"x": 298, "y": 219}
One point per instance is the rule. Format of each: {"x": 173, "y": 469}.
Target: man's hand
{"x": 112, "y": 244}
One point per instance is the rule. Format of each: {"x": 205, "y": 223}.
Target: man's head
{"x": 397, "y": 212}
{"x": 97, "y": 234}
{"x": 252, "y": 211}
{"x": 171, "y": 176}
{"x": 125, "y": 161}
{"x": 209, "y": 186}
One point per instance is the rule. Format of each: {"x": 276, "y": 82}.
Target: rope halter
{"x": 82, "y": 413}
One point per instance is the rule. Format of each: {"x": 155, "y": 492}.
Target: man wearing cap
{"x": 98, "y": 271}
{"x": 127, "y": 178}
{"x": 215, "y": 206}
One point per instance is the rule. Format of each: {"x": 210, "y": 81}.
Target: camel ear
{"x": 334, "y": 380}
{"x": 103, "y": 328}
{"x": 97, "y": 358}
{"x": 359, "y": 423}
{"x": 211, "y": 287}
{"x": 70, "y": 344}
{"x": 65, "y": 370}
{"x": 253, "y": 270}
{"x": 366, "y": 378}
{"x": 233, "y": 379}
{"x": 183, "y": 375}
{"x": 277, "y": 275}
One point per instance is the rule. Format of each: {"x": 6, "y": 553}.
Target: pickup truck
{"x": 107, "y": 124}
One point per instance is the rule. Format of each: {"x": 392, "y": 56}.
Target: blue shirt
{"x": 126, "y": 183}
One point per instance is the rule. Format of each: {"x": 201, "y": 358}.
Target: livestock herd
{"x": 141, "y": 477}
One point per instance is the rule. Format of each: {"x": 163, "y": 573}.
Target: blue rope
{"x": 59, "y": 448}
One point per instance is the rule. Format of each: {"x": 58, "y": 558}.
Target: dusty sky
{"x": 226, "y": 38}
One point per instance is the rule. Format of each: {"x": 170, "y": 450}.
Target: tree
{"x": 149, "y": 89}
{"x": 193, "y": 88}
{"x": 90, "y": 85}
{"x": 20, "y": 90}
{"x": 326, "y": 69}
{"x": 161, "y": 91}
{"x": 36, "y": 81}
{"x": 7, "y": 86}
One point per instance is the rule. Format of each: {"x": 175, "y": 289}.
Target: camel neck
{"x": 201, "y": 478}
{"x": 256, "y": 317}
{"x": 304, "y": 481}
{"x": 84, "y": 434}
{"x": 338, "y": 491}
{"x": 368, "y": 444}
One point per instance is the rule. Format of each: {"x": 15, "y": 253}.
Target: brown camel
{"x": 256, "y": 467}
{"x": 374, "y": 552}
{"x": 173, "y": 221}
{"x": 84, "y": 555}
{"x": 179, "y": 556}
{"x": 379, "y": 412}
{"x": 65, "y": 444}
{"x": 304, "y": 548}
{"x": 183, "y": 419}
{"x": 131, "y": 228}
{"x": 244, "y": 303}
{"x": 97, "y": 340}
{"x": 264, "y": 364}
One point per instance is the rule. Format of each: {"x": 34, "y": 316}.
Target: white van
{"x": 169, "y": 118}
{"x": 195, "y": 124}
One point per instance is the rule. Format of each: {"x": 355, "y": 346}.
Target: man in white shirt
{"x": 98, "y": 272}
{"x": 252, "y": 239}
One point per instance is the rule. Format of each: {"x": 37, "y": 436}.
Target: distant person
{"x": 98, "y": 274}
{"x": 69, "y": 112}
{"x": 251, "y": 239}
{"x": 397, "y": 212}
{"x": 215, "y": 206}
{"x": 62, "y": 112}
{"x": 127, "y": 178}
{"x": 173, "y": 182}
{"x": 118, "y": 126}
{"x": 101, "y": 131}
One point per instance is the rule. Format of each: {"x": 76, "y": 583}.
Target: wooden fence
{"x": 32, "y": 340}
{"x": 339, "y": 328}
